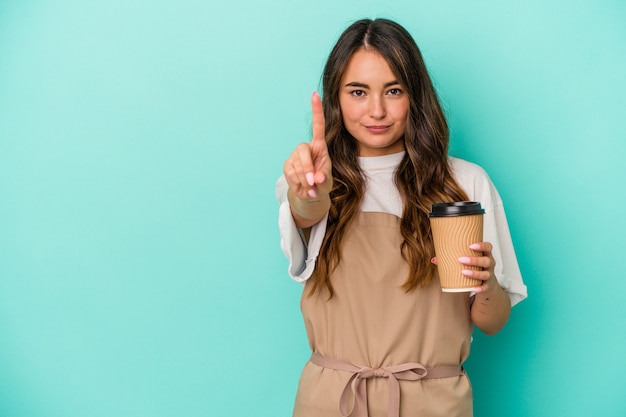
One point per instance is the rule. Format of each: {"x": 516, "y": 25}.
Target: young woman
{"x": 386, "y": 340}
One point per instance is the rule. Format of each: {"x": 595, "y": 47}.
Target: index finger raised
{"x": 317, "y": 122}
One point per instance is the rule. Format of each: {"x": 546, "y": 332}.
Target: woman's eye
{"x": 358, "y": 93}
{"x": 395, "y": 91}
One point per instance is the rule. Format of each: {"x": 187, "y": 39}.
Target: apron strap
{"x": 357, "y": 384}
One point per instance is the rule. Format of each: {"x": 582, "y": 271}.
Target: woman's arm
{"x": 491, "y": 309}
{"x": 492, "y": 306}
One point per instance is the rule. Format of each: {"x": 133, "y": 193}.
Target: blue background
{"x": 140, "y": 268}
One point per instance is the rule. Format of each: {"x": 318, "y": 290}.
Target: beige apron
{"x": 377, "y": 350}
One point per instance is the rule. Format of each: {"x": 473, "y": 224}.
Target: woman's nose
{"x": 377, "y": 108}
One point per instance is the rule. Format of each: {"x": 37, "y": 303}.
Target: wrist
{"x": 492, "y": 287}
{"x": 307, "y": 212}
{"x": 491, "y": 309}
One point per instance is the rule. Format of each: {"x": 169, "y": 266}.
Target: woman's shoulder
{"x": 462, "y": 168}
{"x": 474, "y": 180}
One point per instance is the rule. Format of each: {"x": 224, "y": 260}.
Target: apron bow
{"x": 356, "y": 387}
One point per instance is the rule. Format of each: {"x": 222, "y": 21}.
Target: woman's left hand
{"x": 486, "y": 263}
{"x": 492, "y": 306}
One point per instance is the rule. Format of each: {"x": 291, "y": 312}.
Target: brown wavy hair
{"x": 423, "y": 176}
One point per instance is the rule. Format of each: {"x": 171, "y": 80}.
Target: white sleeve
{"x": 476, "y": 182}
{"x": 301, "y": 256}
{"x": 496, "y": 231}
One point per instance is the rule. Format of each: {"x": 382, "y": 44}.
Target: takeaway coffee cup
{"x": 455, "y": 226}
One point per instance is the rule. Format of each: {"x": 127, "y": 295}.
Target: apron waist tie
{"x": 357, "y": 384}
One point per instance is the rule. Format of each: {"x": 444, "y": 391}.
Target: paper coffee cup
{"x": 455, "y": 226}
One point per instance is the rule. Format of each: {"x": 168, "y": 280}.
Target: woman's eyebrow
{"x": 363, "y": 85}
{"x": 357, "y": 84}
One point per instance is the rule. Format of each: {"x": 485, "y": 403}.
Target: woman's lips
{"x": 378, "y": 129}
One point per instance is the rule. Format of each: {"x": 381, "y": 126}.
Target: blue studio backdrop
{"x": 140, "y": 267}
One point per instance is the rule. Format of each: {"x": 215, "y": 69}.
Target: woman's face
{"x": 373, "y": 104}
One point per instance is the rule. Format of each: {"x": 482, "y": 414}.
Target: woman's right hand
{"x": 308, "y": 170}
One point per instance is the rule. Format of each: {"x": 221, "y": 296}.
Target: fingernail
{"x": 464, "y": 260}
{"x": 310, "y": 178}
{"x": 475, "y": 246}
{"x": 312, "y": 193}
{"x": 467, "y": 272}
{"x": 433, "y": 260}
